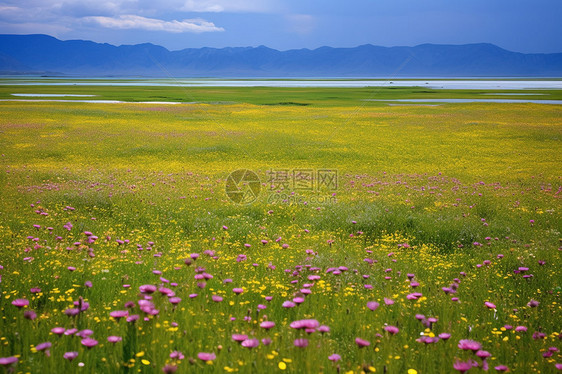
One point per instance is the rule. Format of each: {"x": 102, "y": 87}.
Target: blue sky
{"x": 517, "y": 25}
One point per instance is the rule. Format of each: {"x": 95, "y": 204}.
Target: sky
{"x": 529, "y": 26}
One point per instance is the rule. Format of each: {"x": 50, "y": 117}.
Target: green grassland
{"x": 428, "y": 190}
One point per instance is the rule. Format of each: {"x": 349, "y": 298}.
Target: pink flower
{"x": 267, "y": 324}
{"x": 114, "y": 339}
{"x": 462, "y": 366}
{"x": 20, "y": 303}
{"x": 533, "y": 303}
{"x": 239, "y": 337}
{"x": 490, "y": 305}
{"x": 372, "y": 305}
{"x": 250, "y": 343}
{"x": 43, "y": 346}
{"x": 301, "y": 343}
{"x": 70, "y": 355}
{"x": 392, "y": 329}
{"x": 204, "y": 356}
{"x": 147, "y": 288}
{"x": 288, "y": 304}
{"x": 89, "y": 343}
{"x": 118, "y": 314}
{"x": 58, "y": 330}
{"x": 469, "y": 345}
{"x": 388, "y": 301}
{"x": 335, "y": 357}
{"x": 305, "y": 324}
{"x": 5, "y": 361}
{"x": 362, "y": 343}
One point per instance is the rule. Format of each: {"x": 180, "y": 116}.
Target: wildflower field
{"x": 372, "y": 237}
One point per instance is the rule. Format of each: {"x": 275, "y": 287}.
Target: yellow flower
{"x": 282, "y": 365}
{"x": 145, "y": 362}
{"x": 412, "y": 371}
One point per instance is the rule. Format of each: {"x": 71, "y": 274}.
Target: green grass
{"x": 458, "y": 183}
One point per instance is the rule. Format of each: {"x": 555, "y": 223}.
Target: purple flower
{"x": 533, "y": 303}
{"x": 174, "y": 300}
{"x": 444, "y": 336}
{"x": 239, "y": 337}
{"x": 469, "y": 345}
{"x": 114, "y": 339}
{"x": 238, "y": 291}
{"x": 267, "y": 324}
{"x": 58, "y": 330}
{"x": 71, "y": 312}
{"x": 490, "y": 305}
{"x": 30, "y": 314}
{"x": 362, "y": 343}
{"x": 335, "y": 357}
{"x": 84, "y": 333}
{"x": 177, "y": 355}
{"x": 89, "y": 343}
{"x": 301, "y": 343}
{"x": 204, "y": 356}
{"x": 147, "y": 288}
{"x": 305, "y": 324}
{"x": 5, "y": 361}
{"x": 43, "y": 346}
{"x": 372, "y": 305}
{"x": 250, "y": 343}
{"x": 521, "y": 329}
{"x": 118, "y": 314}
{"x": 323, "y": 329}
{"x": 20, "y": 303}
{"x": 501, "y": 368}
{"x": 70, "y": 355}
{"x": 392, "y": 329}
{"x": 483, "y": 354}
{"x": 288, "y": 304}
{"x": 463, "y": 366}
{"x": 169, "y": 369}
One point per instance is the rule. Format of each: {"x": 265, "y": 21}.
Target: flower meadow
{"x": 439, "y": 250}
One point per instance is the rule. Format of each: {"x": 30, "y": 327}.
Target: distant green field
{"x": 447, "y": 211}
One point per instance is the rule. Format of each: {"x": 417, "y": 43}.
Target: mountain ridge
{"x": 39, "y": 53}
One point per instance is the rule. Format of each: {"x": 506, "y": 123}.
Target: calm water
{"x": 435, "y": 84}
{"x": 514, "y": 101}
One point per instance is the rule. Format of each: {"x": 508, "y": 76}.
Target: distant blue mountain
{"x": 43, "y": 54}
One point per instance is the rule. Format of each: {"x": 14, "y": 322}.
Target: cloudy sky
{"x": 517, "y": 25}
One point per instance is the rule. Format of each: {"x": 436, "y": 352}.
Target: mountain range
{"x": 46, "y": 55}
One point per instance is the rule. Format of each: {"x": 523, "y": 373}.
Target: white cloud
{"x": 252, "y": 6}
{"x": 137, "y": 22}
{"x": 301, "y": 23}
